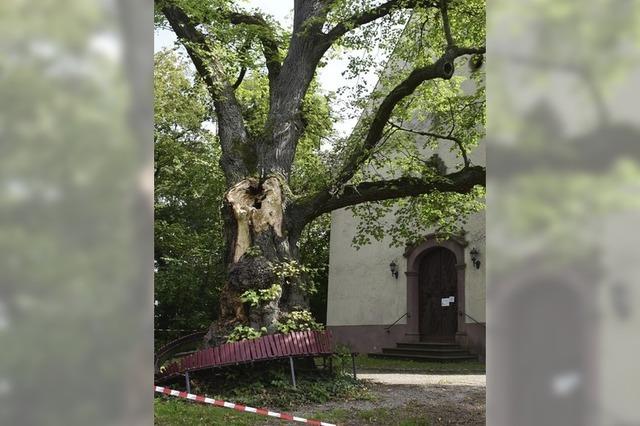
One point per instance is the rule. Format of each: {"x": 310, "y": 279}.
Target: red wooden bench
{"x": 298, "y": 344}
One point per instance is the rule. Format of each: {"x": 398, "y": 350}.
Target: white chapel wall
{"x": 361, "y": 288}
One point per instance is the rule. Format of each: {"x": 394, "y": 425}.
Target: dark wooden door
{"x": 438, "y": 281}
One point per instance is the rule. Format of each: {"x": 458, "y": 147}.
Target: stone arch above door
{"x": 414, "y": 255}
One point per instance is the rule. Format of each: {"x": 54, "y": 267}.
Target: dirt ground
{"x": 415, "y": 399}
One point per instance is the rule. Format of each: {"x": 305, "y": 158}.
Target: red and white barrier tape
{"x": 239, "y": 407}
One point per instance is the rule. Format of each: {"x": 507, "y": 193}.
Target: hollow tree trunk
{"x": 258, "y": 238}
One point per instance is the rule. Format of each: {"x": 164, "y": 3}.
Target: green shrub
{"x": 254, "y": 298}
{"x": 298, "y": 321}
{"x": 295, "y": 273}
{"x": 243, "y": 332}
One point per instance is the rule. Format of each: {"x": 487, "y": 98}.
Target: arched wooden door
{"x": 438, "y": 295}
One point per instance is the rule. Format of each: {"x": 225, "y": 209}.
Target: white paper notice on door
{"x": 452, "y": 299}
{"x": 445, "y": 301}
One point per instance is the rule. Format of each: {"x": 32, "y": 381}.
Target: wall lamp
{"x": 393, "y": 266}
{"x": 475, "y": 257}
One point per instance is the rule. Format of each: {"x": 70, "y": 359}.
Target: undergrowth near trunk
{"x": 269, "y": 384}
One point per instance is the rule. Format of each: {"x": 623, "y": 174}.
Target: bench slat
{"x": 291, "y": 338}
{"x": 248, "y": 349}
{"x": 274, "y": 346}
{"x": 244, "y": 356}
{"x": 252, "y": 349}
{"x": 303, "y": 342}
{"x": 226, "y": 358}
{"x": 260, "y": 349}
{"x": 308, "y": 336}
{"x": 246, "y": 353}
{"x": 239, "y": 353}
{"x": 268, "y": 340}
{"x": 295, "y": 345}
{"x": 304, "y": 345}
{"x": 286, "y": 343}
{"x": 310, "y": 341}
{"x": 235, "y": 352}
{"x": 278, "y": 343}
{"x": 216, "y": 356}
{"x": 297, "y": 348}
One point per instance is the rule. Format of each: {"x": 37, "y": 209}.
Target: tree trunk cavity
{"x": 257, "y": 209}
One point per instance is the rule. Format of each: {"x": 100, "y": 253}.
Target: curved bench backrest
{"x": 273, "y": 346}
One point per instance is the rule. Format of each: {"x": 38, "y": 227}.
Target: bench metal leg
{"x": 293, "y": 372}
{"x": 187, "y": 381}
{"x": 353, "y": 364}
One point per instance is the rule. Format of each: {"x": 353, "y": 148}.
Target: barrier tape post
{"x": 239, "y": 407}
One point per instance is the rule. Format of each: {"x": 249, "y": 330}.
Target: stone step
{"x": 428, "y": 345}
{"x": 418, "y": 357}
{"x": 423, "y": 351}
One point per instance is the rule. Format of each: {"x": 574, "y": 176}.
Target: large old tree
{"x": 270, "y": 198}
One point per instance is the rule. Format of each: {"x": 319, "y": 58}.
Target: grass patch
{"x": 363, "y": 362}
{"x": 413, "y": 414}
{"x": 393, "y": 416}
{"x": 171, "y": 412}
{"x": 177, "y": 412}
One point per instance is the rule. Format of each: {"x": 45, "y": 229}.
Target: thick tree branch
{"x": 243, "y": 68}
{"x": 284, "y": 124}
{"x": 371, "y": 15}
{"x": 238, "y": 82}
{"x": 462, "y": 181}
{"x": 443, "y": 68}
{"x": 461, "y": 51}
{"x": 232, "y": 132}
{"x": 266, "y": 35}
{"x": 197, "y": 46}
{"x": 445, "y": 22}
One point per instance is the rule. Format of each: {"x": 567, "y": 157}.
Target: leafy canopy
{"x": 412, "y": 37}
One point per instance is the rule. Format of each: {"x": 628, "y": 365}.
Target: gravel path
{"x": 449, "y": 399}
{"x": 421, "y": 379}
